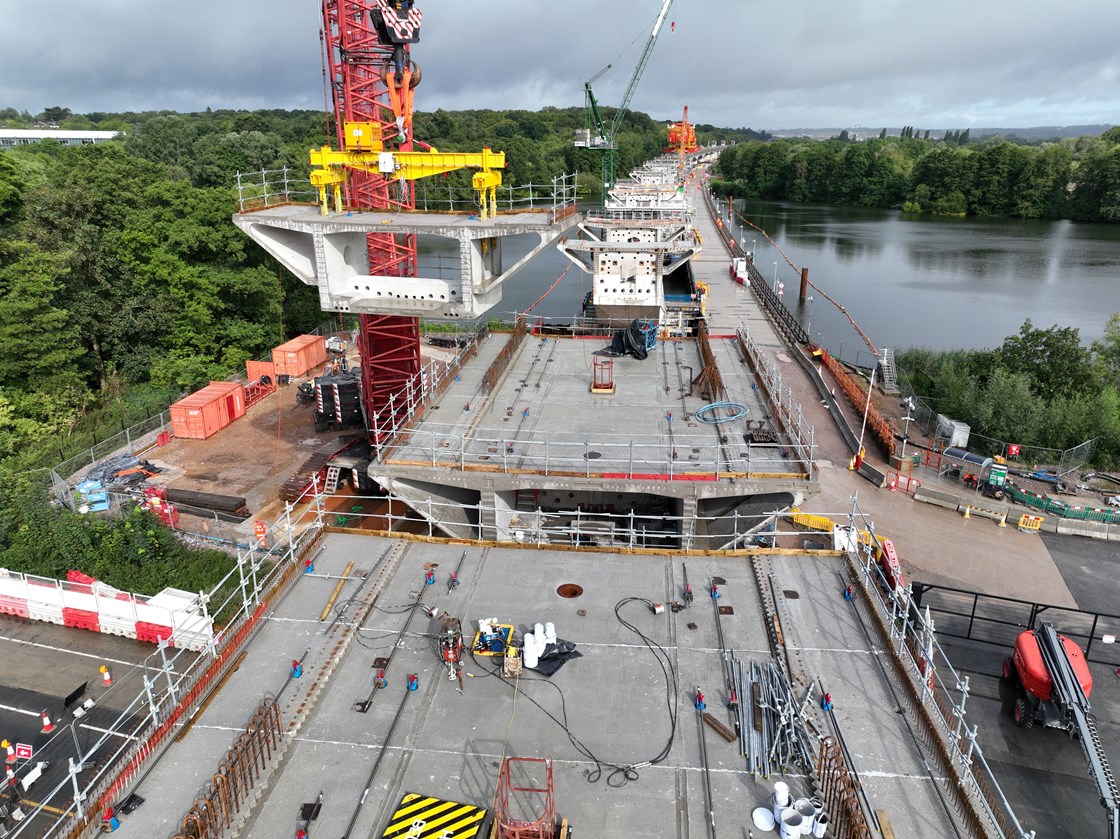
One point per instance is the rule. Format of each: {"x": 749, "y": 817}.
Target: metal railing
{"x": 939, "y": 690}
{"x": 276, "y": 187}
{"x": 126, "y": 747}
{"x": 786, "y": 411}
{"x": 992, "y": 619}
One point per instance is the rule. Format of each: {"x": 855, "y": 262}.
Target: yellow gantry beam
{"x": 328, "y": 172}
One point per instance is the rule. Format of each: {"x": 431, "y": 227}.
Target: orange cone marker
{"x": 48, "y": 726}
{"x": 106, "y": 676}
{"x": 11, "y": 752}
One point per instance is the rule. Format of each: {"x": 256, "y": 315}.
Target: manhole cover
{"x": 790, "y": 594}
{"x": 727, "y": 610}
{"x": 691, "y": 625}
{"x": 593, "y": 455}
{"x": 569, "y": 590}
{"x": 719, "y": 581}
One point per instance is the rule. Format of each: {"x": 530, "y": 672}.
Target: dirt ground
{"x": 254, "y": 455}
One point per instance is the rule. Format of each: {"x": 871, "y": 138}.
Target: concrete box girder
{"x": 329, "y": 252}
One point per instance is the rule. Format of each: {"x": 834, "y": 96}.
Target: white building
{"x": 12, "y": 137}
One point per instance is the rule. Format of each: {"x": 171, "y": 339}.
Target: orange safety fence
{"x": 857, "y": 395}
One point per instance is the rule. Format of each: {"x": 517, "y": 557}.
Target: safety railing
{"x": 125, "y": 748}
{"x": 785, "y": 409}
{"x": 597, "y": 525}
{"x": 939, "y": 690}
{"x": 992, "y": 619}
{"x": 1058, "y": 508}
{"x": 276, "y": 187}
{"x": 677, "y": 457}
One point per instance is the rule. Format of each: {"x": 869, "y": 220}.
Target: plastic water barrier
{"x": 174, "y": 615}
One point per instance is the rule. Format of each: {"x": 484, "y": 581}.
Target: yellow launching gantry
{"x": 366, "y": 153}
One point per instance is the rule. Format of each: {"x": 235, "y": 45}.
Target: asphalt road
{"x": 1043, "y": 771}
{"x": 43, "y": 665}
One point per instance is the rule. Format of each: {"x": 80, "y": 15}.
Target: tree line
{"x": 1069, "y": 179}
{"x": 124, "y": 285}
{"x": 1040, "y": 387}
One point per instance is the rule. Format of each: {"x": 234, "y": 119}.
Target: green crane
{"x": 598, "y": 135}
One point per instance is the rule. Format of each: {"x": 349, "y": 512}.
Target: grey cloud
{"x": 811, "y": 63}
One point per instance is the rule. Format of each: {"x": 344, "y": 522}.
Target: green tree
{"x": 1053, "y": 359}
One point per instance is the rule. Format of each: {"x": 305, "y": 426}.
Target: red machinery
{"x": 682, "y": 136}
{"x": 155, "y": 501}
{"x": 451, "y": 647}
{"x": 371, "y": 79}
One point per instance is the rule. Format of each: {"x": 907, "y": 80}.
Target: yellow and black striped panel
{"x": 423, "y": 817}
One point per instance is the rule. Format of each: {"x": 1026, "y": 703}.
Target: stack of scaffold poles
{"x": 773, "y": 730}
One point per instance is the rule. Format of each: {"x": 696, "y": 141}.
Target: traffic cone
{"x": 11, "y": 777}
{"x": 48, "y": 726}
{"x": 106, "y": 676}
{"x": 11, "y": 752}
{"x": 1003, "y": 520}
{"x": 966, "y": 513}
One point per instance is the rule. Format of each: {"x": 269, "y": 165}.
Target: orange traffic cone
{"x": 11, "y": 752}
{"x": 11, "y": 777}
{"x": 48, "y": 726}
{"x": 106, "y": 676}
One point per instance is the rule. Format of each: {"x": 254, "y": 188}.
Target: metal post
{"x": 78, "y": 797}
{"x": 908, "y": 403}
{"x": 866, "y": 408}
{"x": 171, "y": 689}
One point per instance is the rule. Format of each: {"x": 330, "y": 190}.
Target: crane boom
{"x": 1071, "y": 702}
{"x": 624, "y": 105}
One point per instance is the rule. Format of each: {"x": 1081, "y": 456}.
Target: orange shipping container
{"x": 206, "y": 411}
{"x": 255, "y": 369}
{"x": 299, "y": 355}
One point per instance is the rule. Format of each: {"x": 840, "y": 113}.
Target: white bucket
{"x": 820, "y": 825}
{"x": 529, "y": 654}
{"x": 808, "y": 812}
{"x": 781, "y": 793}
{"x": 538, "y": 630}
{"x": 817, "y": 802}
{"x": 789, "y": 827}
{"x": 779, "y": 800}
{"x": 550, "y": 633}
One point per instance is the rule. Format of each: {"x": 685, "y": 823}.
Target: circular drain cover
{"x": 569, "y": 590}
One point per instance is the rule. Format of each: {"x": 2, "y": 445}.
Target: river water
{"x": 907, "y": 280}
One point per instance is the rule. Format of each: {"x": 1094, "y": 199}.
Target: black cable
{"x": 620, "y": 774}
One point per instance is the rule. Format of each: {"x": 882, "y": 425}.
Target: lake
{"x": 907, "y": 280}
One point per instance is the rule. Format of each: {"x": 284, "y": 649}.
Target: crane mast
{"x": 370, "y": 78}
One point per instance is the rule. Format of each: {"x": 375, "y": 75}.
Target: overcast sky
{"x": 803, "y": 64}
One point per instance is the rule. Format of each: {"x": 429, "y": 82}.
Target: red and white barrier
{"x": 82, "y": 602}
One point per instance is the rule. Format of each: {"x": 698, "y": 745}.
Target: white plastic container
{"x": 789, "y": 827}
{"x": 820, "y": 825}
{"x": 779, "y": 800}
{"x": 550, "y": 632}
{"x": 808, "y": 813}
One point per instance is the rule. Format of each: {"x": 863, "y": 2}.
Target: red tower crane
{"x": 371, "y": 77}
